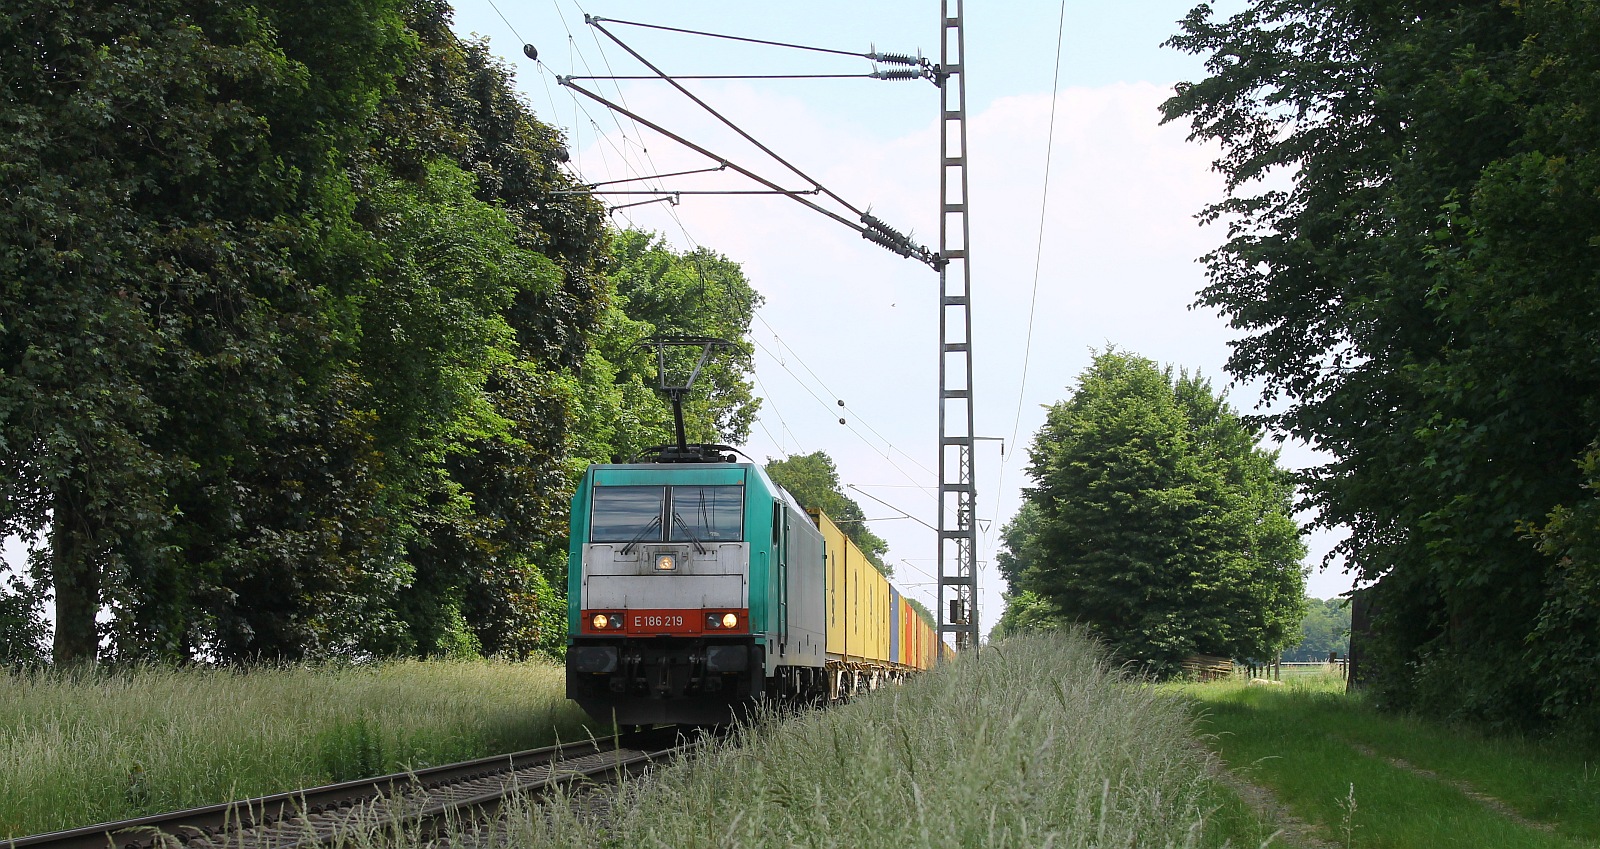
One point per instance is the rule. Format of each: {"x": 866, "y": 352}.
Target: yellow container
{"x": 858, "y": 601}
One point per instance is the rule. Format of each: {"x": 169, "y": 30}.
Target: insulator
{"x": 531, "y": 52}
{"x": 873, "y": 222}
{"x": 894, "y": 58}
{"x": 893, "y": 74}
{"x": 886, "y": 241}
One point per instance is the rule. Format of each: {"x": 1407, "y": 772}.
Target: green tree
{"x": 1567, "y": 635}
{"x": 161, "y": 176}
{"x": 1018, "y": 553}
{"x": 1416, "y": 294}
{"x": 491, "y": 296}
{"x": 658, "y": 291}
{"x": 1160, "y": 524}
{"x": 1025, "y": 611}
{"x": 303, "y": 333}
{"x": 289, "y": 315}
{"x": 23, "y": 632}
{"x": 697, "y": 293}
{"x": 814, "y": 481}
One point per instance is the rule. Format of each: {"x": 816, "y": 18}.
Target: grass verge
{"x": 1374, "y": 780}
{"x": 1035, "y": 743}
{"x": 87, "y": 748}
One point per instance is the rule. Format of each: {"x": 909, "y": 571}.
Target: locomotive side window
{"x": 707, "y": 514}
{"x": 627, "y": 514}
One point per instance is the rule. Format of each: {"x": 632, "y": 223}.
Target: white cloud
{"x": 1118, "y": 267}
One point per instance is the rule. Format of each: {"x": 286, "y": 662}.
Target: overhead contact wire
{"x": 1038, "y": 254}
{"x": 573, "y": 50}
{"x": 890, "y": 446}
{"x": 736, "y": 38}
{"x": 720, "y": 117}
{"x": 781, "y": 364}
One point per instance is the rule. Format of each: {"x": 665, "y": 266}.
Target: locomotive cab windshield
{"x": 693, "y": 514}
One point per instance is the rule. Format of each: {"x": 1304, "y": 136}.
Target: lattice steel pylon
{"x": 958, "y": 579}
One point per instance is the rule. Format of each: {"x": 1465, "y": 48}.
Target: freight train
{"x": 697, "y": 587}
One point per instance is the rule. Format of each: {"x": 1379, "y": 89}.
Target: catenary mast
{"x": 958, "y": 579}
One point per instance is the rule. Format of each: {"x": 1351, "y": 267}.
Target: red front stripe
{"x": 676, "y": 622}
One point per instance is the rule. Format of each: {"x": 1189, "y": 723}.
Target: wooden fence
{"x": 1207, "y": 667}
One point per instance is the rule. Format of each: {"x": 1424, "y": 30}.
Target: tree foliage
{"x": 1156, "y": 521}
{"x": 24, "y": 634}
{"x": 166, "y": 170}
{"x": 696, "y": 293}
{"x": 1018, "y": 551}
{"x": 814, "y": 481}
{"x": 660, "y": 291}
{"x": 298, "y": 334}
{"x": 1416, "y": 282}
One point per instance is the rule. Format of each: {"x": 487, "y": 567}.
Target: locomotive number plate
{"x": 668, "y": 621}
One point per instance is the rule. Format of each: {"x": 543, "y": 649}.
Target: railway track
{"x": 424, "y": 800}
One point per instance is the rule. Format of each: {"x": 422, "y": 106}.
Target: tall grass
{"x": 85, "y": 748}
{"x": 1035, "y": 743}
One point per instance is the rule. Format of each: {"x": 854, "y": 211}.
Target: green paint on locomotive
{"x": 760, "y": 493}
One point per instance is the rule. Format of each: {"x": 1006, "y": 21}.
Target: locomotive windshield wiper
{"x": 654, "y": 523}
{"x": 688, "y": 530}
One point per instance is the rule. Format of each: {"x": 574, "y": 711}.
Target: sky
{"x": 844, "y": 320}
{"x": 847, "y": 321}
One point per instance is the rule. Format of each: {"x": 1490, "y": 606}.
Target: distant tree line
{"x": 304, "y": 335}
{"x": 1412, "y": 263}
{"x": 1325, "y": 629}
{"x": 1156, "y": 522}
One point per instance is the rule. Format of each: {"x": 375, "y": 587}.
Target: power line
{"x": 784, "y": 425}
{"x": 871, "y": 228}
{"x": 890, "y": 58}
{"x": 615, "y": 77}
{"x": 573, "y": 50}
{"x": 1038, "y": 253}
{"x": 621, "y": 97}
{"x": 820, "y": 382}
{"x": 825, "y": 405}
{"x": 642, "y": 148}
{"x": 651, "y": 176}
{"x": 507, "y": 22}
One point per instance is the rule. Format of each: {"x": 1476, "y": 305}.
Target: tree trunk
{"x": 76, "y": 581}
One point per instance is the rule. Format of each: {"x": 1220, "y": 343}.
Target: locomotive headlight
{"x": 729, "y": 620}
{"x": 666, "y": 563}
{"x": 600, "y": 621}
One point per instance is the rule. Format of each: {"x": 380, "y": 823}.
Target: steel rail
{"x": 314, "y": 816}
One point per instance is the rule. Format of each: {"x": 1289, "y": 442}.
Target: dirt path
{"x": 1292, "y": 831}
{"x": 1496, "y": 805}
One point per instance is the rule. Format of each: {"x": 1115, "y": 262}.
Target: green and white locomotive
{"x": 696, "y": 586}
{"x": 693, "y": 589}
